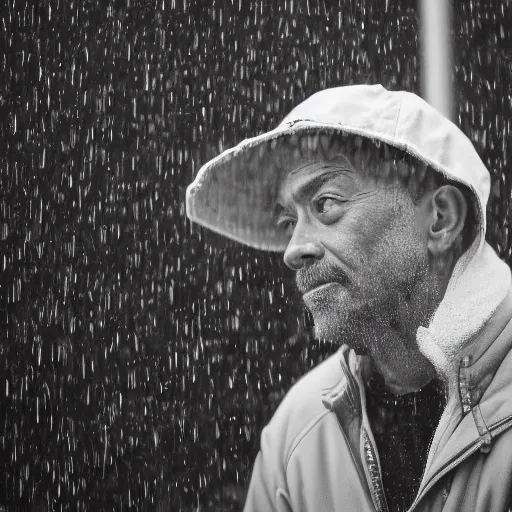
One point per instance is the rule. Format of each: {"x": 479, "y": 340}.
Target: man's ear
{"x": 448, "y": 210}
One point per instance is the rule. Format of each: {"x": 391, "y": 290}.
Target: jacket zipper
{"x": 373, "y": 465}
{"x": 496, "y": 430}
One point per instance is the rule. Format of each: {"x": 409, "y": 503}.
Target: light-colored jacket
{"x": 318, "y": 453}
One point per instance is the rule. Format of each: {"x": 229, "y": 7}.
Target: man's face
{"x": 360, "y": 259}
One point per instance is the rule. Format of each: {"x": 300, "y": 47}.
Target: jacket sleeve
{"x": 267, "y": 490}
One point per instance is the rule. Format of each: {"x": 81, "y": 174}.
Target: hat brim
{"x": 235, "y": 193}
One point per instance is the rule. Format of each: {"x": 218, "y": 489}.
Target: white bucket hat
{"x": 234, "y": 193}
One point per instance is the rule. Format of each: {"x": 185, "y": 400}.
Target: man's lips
{"x": 320, "y": 287}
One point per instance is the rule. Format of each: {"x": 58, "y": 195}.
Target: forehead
{"x": 309, "y": 176}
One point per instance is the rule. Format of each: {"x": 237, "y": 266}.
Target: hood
{"x": 478, "y": 285}
{"x": 234, "y": 193}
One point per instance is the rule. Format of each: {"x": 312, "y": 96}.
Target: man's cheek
{"x": 366, "y": 228}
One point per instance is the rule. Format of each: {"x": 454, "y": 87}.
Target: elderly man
{"x": 378, "y": 203}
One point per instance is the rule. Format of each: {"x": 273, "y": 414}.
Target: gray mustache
{"x": 311, "y": 276}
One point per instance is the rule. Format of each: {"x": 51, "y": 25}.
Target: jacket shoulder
{"x": 302, "y": 409}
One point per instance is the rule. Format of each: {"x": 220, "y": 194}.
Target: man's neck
{"x": 398, "y": 360}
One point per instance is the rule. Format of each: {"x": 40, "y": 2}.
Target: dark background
{"x": 140, "y": 356}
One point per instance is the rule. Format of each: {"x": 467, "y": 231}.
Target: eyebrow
{"x": 311, "y": 187}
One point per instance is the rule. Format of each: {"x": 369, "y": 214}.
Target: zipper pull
{"x": 470, "y": 399}
{"x": 465, "y": 384}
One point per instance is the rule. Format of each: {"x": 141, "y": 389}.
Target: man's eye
{"x": 287, "y": 225}
{"x": 326, "y": 204}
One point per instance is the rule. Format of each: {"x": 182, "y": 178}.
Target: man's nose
{"x": 302, "y": 252}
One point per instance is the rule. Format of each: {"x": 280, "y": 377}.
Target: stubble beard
{"x": 351, "y": 322}
{"x": 362, "y": 315}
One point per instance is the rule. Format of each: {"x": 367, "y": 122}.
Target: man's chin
{"x": 327, "y": 304}
{"x": 339, "y": 333}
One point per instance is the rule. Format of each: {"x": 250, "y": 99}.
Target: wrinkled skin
{"x": 366, "y": 263}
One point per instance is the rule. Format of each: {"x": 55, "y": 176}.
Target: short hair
{"x": 380, "y": 161}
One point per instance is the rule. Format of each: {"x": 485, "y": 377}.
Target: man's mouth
{"x": 321, "y": 287}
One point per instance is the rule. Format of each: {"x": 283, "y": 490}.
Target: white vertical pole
{"x": 436, "y": 53}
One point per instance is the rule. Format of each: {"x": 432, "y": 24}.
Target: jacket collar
{"x": 482, "y": 407}
{"x": 465, "y": 433}
{"x": 480, "y": 359}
